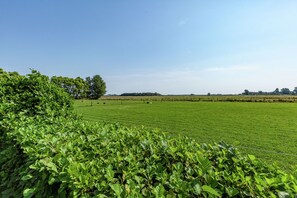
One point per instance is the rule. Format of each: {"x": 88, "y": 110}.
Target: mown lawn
{"x": 267, "y": 130}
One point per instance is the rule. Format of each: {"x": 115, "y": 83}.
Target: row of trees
{"x": 78, "y": 88}
{"x": 141, "y": 94}
{"x": 277, "y": 91}
{"x": 92, "y": 88}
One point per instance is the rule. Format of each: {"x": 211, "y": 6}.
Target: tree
{"x": 141, "y": 94}
{"x": 89, "y": 83}
{"x": 295, "y": 91}
{"x": 276, "y": 91}
{"x": 64, "y": 82}
{"x": 285, "y": 91}
{"x": 80, "y": 89}
{"x": 75, "y": 87}
{"x": 97, "y": 87}
{"x": 246, "y": 92}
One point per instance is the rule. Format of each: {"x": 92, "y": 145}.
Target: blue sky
{"x": 165, "y": 46}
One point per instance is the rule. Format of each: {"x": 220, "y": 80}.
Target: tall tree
{"x": 246, "y": 92}
{"x": 89, "y": 84}
{"x": 80, "y": 89}
{"x": 276, "y": 91}
{"x": 77, "y": 87}
{"x": 295, "y": 91}
{"x": 97, "y": 87}
{"x": 285, "y": 91}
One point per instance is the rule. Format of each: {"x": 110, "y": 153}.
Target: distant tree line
{"x": 92, "y": 88}
{"x": 277, "y": 91}
{"x": 141, "y": 94}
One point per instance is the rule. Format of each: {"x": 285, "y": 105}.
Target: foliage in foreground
{"x": 54, "y": 154}
{"x": 73, "y": 158}
{"x": 32, "y": 95}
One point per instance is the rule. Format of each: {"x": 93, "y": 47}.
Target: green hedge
{"x": 74, "y": 158}
{"x": 50, "y": 152}
{"x": 32, "y": 95}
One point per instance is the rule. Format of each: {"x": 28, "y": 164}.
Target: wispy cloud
{"x": 235, "y": 68}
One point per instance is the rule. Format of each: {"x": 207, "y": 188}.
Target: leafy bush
{"x": 32, "y": 95}
{"x": 63, "y": 156}
{"x": 22, "y": 97}
{"x": 74, "y": 158}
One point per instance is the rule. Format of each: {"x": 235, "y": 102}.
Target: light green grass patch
{"x": 266, "y": 130}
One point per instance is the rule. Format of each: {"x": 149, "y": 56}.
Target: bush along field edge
{"x": 48, "y": 151}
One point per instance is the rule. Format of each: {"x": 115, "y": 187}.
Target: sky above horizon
{"x": 165, "y": 46}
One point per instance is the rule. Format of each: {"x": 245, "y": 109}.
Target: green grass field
{"x": 267, "y": 130}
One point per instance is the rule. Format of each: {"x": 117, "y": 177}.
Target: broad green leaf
{"x": 178, "y": 166}
{"x": 205, "y": 164}
{"x": 210, "y": 190}
{"x": 231, "y": 191}
{"x": 159, "y": 191}
{"x": 102, "y": 196}
{"x": 29, "y": 192}
{"x": 50, "y": 165}
{"x": 272, "y": 195}
{"x": 51, "y": 180}
{"x": 109, "y": 172}
{"x": 272, "y": 181}
{"x": 197, "y": 189}
{"x": 251, "y": 157}
{"x": 260, "y": 188}
{"x": 285, "y": 179}
{"x": 26, "y": 177}
{"x": 295, "y": 187}
{"x": 117, "y": 189}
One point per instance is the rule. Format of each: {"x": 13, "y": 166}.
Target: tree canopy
{"x": 97, "y": 87}
{"x": 277, "y": 91}
{"x": 78, "y": 88}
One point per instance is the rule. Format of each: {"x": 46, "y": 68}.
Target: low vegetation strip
{"x": 47, "y": 151}
{"x": 206, "y": 98}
